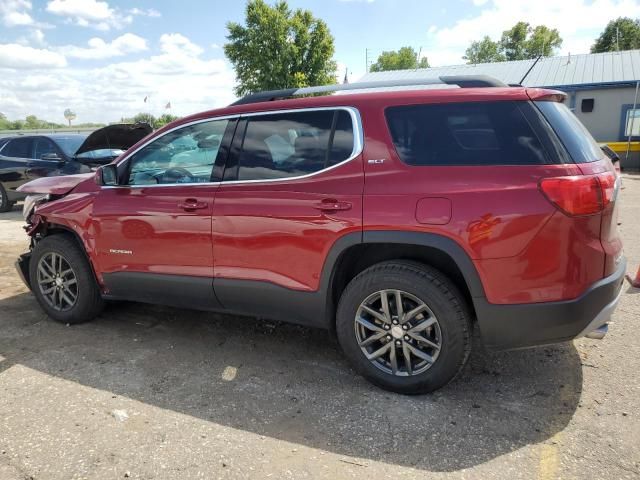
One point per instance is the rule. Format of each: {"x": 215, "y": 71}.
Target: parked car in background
{"x": 400, "y": 220}
{"x": 26, "y": 157}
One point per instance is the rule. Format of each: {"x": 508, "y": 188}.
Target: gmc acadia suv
{"x": 400, "y": 219}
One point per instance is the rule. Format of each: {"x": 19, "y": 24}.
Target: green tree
{"x": 620, "y": 34}
{"x": 4, "y": 123}
{"x": 404, "y": 59}
{"x": 513, "y": 41}
{"x": 144, "y": 118}
{"x": 163, "y": 119}
{"x": 32, "y": 122}
{"x": 484, "y": 51}
{"x": 279, "y": 48}
{"x": 520, "y": 42}
{"x": 542, "y": 41}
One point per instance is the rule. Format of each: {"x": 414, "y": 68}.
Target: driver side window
{"x": 185, "y": 155}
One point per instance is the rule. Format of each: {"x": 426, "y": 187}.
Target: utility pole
{"x": 366, "y": 60}
{"x": 618, "y": 39}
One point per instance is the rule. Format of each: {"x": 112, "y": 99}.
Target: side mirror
{"x": 52, "y": 157}
{"x": 108, "y": 175}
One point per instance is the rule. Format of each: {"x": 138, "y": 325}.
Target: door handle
{"x": 191, "y": 204}
{"x": 332, "y": 205}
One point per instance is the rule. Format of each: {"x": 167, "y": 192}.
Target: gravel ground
{"x": 153, "y": 392}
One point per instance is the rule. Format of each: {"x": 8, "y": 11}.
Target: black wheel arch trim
{"x": 437, "y": 242}
{"x": 56, "y": 227}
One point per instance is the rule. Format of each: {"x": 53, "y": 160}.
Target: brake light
{"x": 580, "y": 194}
{"x": 608, "y": 185}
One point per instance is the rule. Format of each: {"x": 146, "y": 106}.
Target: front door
{"x": 153, "y": 232}
{"x": 46, "y": 160}
{"x": 292, "y": 187}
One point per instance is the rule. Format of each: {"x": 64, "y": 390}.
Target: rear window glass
{"x": 18, "y": 148}
{"x": 573, "y": 134}
{"x": 478, "y": 133}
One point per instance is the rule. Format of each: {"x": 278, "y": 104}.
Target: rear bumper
{"x": 525, "y": 325}
{"x": 22, "y": 266}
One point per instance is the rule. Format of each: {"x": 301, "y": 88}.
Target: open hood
{"x": 54, "y": 185}
{"x": 120, "y": 136}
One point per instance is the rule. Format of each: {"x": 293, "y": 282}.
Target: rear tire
{"x": 422, "y": 351}
{"x": 5, "y": 204}
{"x": 63, "y": 282}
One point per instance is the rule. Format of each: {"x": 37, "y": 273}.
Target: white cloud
{"x": 14, "y": 19}
{"x": 149, "y": 12}
{"x": 37, "y": 36}
{"x": 180, "y": 74}
{"x": 15, "y": 13}
{"x": 81, "y": 9}
{"x": 93, "y": 13}
{"x": 578, "y": 21}
{"x": 99, "y": 49}
{"x": 175, "y": 43}
{"x": 20, "y": 57}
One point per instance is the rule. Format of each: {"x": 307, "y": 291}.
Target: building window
{"x": 632, "y": 123}
{"x": 587, "y": 105}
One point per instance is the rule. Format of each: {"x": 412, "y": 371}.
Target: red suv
{"x": 400, "y": 219}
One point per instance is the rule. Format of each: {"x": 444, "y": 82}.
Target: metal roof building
{"x": 600, "y": 86}
{"x": 592, "y": 69}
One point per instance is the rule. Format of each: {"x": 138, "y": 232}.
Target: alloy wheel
{"x": 398, "y": 332}
{"x": 57, "y": 281}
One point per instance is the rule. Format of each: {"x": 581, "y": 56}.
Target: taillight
{"x": 580, "y": 194}
{"x": 608, "y": 185}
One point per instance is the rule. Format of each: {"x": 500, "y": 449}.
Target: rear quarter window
{"x": 573, "y": 134}
{"x": 18, "y": 148}
{"x": 478, "y": 133}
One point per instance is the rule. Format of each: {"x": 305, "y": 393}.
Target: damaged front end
{"x": 34, "y": 228}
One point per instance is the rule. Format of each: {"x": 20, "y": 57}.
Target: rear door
{"x": 292, "y": 187}
{"x": 153, "y": 232}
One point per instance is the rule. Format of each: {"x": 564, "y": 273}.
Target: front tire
{"x": 404, "y": 326}
{"x": 63, "y": 282}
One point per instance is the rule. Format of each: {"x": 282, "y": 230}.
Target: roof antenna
{"x": 529, "y": 71}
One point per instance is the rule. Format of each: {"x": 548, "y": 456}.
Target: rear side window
{"x": 575, "y": 137}
{"x": 495, "y": 133}
{"x": 293, "y": 144}
{"x": 18, "y": 148}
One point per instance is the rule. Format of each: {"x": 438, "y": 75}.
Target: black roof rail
{"x": 462, "y": 81}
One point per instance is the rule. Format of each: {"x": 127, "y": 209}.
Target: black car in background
{"x": 26, "y": 157}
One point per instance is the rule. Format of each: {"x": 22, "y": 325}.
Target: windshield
{"x": 70, "y": 144}
{"x": 573, "y": 134}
